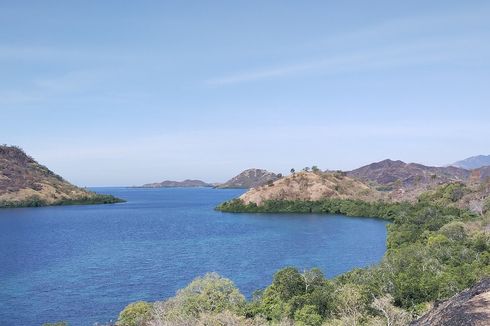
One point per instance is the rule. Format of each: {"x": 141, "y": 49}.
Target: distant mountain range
{"x": 250, "y": 178}
{"x": 398, "y": 174}
{"x": 24, "y": 182}
{"x": 177, "y": 184}
{"x": 473, "y": 162}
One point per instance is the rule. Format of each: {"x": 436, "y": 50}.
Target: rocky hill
{"x": 24, "y": 182}
{"x": 470, "y": 307}
{"x": 250, "y": 178}
{"x": 312, "y": 186}
{"x": 396, "y": 174}
{"x": 177, "y": 184}
{"x": 473, "y": 162}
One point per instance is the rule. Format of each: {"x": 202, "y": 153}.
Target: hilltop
{"x": 473, "y": 162}
{"x": 177, "y": 184}
{"x": 396, "y": 174}
{"x": 311, "y": 186}
{"x": 24, "y": 182}
{"x": 250, "y": 178}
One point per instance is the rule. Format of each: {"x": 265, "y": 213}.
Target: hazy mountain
{"x": 24, "y": 182}
{"x": 250, "y": 178}
{"x": 177, "y": 184}
{"x": 473, "y": 162}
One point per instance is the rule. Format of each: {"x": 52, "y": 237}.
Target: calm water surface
{"x": 83, "y": 264}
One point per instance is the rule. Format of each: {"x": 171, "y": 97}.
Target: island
{"x": 177, "y": 184}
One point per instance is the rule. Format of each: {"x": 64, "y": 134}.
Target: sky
{"x": 112, "y": 93}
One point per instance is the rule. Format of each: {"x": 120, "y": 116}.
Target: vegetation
{"x": 135, "y": 314}
{"x": 434, "y": 250}
{"x": 36, "y": 201}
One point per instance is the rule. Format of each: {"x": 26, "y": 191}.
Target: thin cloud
{"x": 383, "y": 57}
{"x": 374, "y": 47}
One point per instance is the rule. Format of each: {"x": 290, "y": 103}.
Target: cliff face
{"x": 24, "y": 182}
{"x": 177, "y": 184}
{"x": 312, "y": 186}
{"x": 470, "y": 307}
{"x": 249, "y": 179}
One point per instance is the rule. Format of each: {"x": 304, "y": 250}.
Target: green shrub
{"x": 135, "y": 314}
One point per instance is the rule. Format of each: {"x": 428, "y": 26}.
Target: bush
{"x": 135, "y": 314}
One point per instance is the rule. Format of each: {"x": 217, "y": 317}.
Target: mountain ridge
{"x": 398, "y": 173}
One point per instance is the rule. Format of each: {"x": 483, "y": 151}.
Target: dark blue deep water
{"x": 83, "y": 264}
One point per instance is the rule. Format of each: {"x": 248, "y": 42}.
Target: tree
{"x": 312, "y": 278}
{"x": 292, "y": 170}
{"x": 288, "y": 283}
{"x": 350, "y": 302}
{"x": 315, "y": 169}
{"x": 306, "y": 169}
{"x": 454, "y": 231}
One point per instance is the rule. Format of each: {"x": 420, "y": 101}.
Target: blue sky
{"x": 129, "y": 92}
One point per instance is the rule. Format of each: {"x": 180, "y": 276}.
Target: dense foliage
{"x": 347, "y": 207}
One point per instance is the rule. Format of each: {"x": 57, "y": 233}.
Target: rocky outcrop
{"x": 250, "y": 178}
{"x": 470, "y": 307}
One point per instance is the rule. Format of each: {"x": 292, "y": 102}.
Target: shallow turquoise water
{"x": 83, "y": 264}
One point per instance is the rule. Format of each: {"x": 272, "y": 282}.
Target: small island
{"x": 188, "y": 183}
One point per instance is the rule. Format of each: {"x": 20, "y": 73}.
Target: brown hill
{"x": 312, "y": 186}
{"x": 250, "y": 178}
{"x": 396, "y": 174}
{"x": 24, "y": 182}
{"x": 470, "y": 307}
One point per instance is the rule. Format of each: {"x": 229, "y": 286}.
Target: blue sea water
{"x": 83, "y": 264}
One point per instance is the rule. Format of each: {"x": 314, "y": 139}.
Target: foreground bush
{"x": 211, "y": 294}
{"x": 135, "y": 314}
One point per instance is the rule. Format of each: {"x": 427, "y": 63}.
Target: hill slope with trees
{"x": 26, "y": 183}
